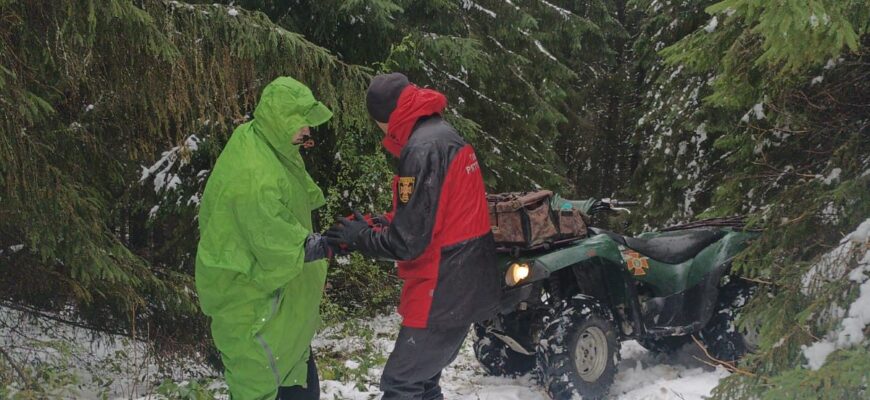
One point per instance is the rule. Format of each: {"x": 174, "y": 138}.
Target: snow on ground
{"x": 78, "y": 363}
{"x": 642, "y": 375}
{"x": 350, "y": 358}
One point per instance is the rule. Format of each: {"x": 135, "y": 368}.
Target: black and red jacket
{"x": 440, "y": 232}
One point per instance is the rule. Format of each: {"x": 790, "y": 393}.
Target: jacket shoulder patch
{"x": 406, "y": 188}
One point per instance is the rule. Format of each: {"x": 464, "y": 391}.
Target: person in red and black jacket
{"x": 438, "y": 232}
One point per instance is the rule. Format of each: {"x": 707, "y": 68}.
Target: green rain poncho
{"x": 250, "y": 275}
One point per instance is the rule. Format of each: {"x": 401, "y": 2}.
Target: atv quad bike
{"x": 566, "y": 308}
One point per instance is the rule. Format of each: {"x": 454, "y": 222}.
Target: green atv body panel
{"x": 666, "y": 279}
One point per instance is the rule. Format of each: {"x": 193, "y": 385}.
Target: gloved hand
{"x": 381, "y": 220}
{"x": 317, "y": 248}
{"x": 346, "y": 233}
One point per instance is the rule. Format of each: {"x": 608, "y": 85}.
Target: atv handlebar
{"x": 611, "y": 205}
{"x": 620, "y": 203}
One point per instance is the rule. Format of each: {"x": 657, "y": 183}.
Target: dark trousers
{"x": 413, "y": 370}
{"x": 312, "y": 392}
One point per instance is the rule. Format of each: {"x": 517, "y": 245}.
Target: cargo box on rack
{"x": 532, "y": 220}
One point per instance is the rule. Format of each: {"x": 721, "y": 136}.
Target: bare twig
{"x": 677, "y": 394}
{"x": 756, "y": 280}
{"x": 806, "y": 330}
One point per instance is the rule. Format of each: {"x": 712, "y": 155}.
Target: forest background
{"x": 114, "y": 111}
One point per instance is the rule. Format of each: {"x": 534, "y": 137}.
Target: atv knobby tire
{"x": 722, "y": 338}
{"x": 497, "y": 358}
{"x": 578, "y": 352}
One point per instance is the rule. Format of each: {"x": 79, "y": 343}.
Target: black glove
{"x": 346, "y": 233}
{"x": 316, "y": 248}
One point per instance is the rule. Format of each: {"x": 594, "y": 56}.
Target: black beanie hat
{"x": 383, "y": 94}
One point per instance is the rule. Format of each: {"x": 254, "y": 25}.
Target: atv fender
{"x": 596, "y": 246}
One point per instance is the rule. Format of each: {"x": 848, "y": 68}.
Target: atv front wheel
{"x": 496, "y": 357}
{"x": 578, "y": 351}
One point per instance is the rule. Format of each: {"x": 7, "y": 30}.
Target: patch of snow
{"x": 160, "y": 170}
{"x": 172, "y": 182}
{"x": 850, "y": 331}
{"x": 643, "y": 375}
{"x": 817, "y": 80}
{"x": 711, "y": 26}
{"x": 468, "y": 4}
{"x": 833, "y": 176}
{"x": 831, "y": 213}
{"x": 233, "y": 12}
{"x": 817, "y": 353}
{"x": 758, "y": 109}
{"x": 861, "y": 234}
{"x": 676, "y": 72}
{"x": 834, "y": 264}
{"x": 701, "y": 132}
{"x": 565, "y": 13}
{"x": 543, "y": 50}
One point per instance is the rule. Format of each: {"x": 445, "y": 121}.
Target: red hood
{"x": 414, "y": 103}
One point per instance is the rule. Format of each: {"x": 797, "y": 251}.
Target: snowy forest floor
{"x": 77, "y": 363}
{"x": 642, "y": 375}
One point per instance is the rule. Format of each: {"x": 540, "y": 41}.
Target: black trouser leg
{"x": 413, "y": 370}
{"x": 432, "y": 388}
{"x": 312, "y": 392}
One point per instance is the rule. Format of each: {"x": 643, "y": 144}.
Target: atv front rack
{"x": 738, "y": 222}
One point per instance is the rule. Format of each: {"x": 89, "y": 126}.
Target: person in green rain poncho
{"x": 260, "y": 269}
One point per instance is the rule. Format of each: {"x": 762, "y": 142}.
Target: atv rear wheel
{"x": 723, "y": 339}
{"x": 496, "y": 357}
{"x": 578, "y": 351}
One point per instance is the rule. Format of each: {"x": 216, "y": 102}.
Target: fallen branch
{"x": 728, "y": 365}
{"x": 42, "y": 314}
{"x": 15, "y": 367}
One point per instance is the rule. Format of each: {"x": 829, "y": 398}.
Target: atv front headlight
{"x": 516, "y": 273}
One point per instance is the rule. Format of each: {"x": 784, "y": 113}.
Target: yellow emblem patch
{"x": 406, "y": 188}
{"x": 635, "y": 262}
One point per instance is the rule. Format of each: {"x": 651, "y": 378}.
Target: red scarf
{"x": 414, "y": 103}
